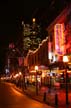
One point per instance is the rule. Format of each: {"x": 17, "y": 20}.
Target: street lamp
{"x": 65, "y": 60}
{"x": 36, "y": 69}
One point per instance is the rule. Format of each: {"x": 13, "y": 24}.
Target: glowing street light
{"x": 20, "y": 73}
{"x": 36, "y": 69}
{"x": 34, "y": 20}
{"x": 65, "y": 60}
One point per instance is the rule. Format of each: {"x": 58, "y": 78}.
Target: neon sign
{"x": 59, "y": 39}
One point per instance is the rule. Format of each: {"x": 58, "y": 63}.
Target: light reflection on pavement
{"x": 12, "y": 98}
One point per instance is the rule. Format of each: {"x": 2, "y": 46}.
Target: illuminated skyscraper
{"x": 31, "y": 35}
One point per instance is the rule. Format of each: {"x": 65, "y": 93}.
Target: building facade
{"x": 60, "y": 36}
{"x": 54, "y": 47}
{"x": 39, "y": 58}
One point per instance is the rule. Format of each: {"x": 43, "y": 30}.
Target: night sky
{"x": 12, "y": 12}
{"x": 9, "y": 26}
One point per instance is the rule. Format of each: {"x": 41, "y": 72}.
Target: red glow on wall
{"x": 11, "y": 45}
{"x": 20, "y": 60}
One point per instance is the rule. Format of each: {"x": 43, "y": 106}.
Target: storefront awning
{"x": 42, "y": 67}
{"x": 59, "y": 64}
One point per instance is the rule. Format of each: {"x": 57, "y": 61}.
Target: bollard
{"x": 56, "y": 101}
{"x": 44, "y": 97}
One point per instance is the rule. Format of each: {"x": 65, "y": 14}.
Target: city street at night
{"x": 12, "y": 98}
{"x": 35, "y": 54}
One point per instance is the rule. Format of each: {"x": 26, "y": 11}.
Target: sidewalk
{"x": 49, "y": 97}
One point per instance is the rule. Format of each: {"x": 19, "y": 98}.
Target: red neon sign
{"x": 59, "y": 39}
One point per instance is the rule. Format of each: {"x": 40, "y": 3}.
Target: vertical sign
{"x": 59, "y": 39}
{"x": 49, "y": 50}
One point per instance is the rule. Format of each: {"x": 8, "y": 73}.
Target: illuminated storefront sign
{"x": 59, "y": 39}
{"x": 49, "y": 50}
